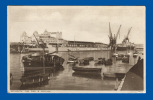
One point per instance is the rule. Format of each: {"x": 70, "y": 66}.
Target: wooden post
{"x": 43, "y": 57}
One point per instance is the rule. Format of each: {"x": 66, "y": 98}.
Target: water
{"x": 65, "y": 78}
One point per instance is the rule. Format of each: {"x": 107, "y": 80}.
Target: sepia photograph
{"x": 76, "y": 49}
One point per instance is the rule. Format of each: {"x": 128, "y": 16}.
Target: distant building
{"x": 54, "y": 39}
{"x": 49, "y": 38}
{"x": 57, "y": 35}
{"x": 100, "y": 45}
{"x": 84, "y": 44}
{"x": 25, "y": 38}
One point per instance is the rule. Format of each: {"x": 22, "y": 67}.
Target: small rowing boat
{"x": 86, "y": 69}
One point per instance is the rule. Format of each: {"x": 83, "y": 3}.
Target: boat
{"x": 119, "y": 57}
{"x": 109, "y": 76}
{"x": 125, "y": 59}
{"x": 108, "y": 62}
{"x": 135, "y": 54}
{"x": 85, "y": 65}
{"x": 42, "y": 60}
{"x": 89, "y": 58}
{"x": 72, "y": 60}
{"x": 86, "y": 69}
{"x": 100, "y": 61}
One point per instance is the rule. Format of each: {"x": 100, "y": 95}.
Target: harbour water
{"x": 65, "y": 78}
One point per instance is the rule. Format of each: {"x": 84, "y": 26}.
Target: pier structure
{"x": 18, "y": 47}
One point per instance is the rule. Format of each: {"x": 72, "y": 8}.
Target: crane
{"x": 127, "y": 37}
{"x": 118, "y": 32}
{"x": 40, "y": 41}
{"x": 112, "y": 39}
{"x": 42, "y": 45}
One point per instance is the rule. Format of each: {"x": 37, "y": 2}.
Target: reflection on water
{"x": 87, "y": 75}
{"x": 65, "y": 78}
{"x": 38, "y": 77}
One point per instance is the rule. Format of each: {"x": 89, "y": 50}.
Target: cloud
{"x": 88, "y": 23}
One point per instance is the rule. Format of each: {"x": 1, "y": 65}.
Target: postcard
{"x": 76, "y": 49}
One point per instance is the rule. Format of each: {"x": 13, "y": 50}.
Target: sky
{"x": 82, "y": 23}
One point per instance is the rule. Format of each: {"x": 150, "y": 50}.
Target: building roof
{"x": 86, "y": 42}
{"x": 79, "y": 42}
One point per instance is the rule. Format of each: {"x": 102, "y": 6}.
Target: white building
{"x": 25, "y": 38}
{"x": 52, "y": 38}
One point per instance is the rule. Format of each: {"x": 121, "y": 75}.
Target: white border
{"x": 67, "y": 91}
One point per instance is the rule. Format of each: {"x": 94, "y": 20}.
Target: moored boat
{"x": 115, "y": 54}
{"x": 100, "y": 61}
{"x": 85, "y": 65}
{"x": 72, "y": 60}
{"x": 42, "y": 60}
{"x": 108, "y": 62}
{"x": 89, "y": 58}
{"x": 125, "y": 59}
{"x": 135, "y": 54}
{"x": 119, "y": 57}
{"x": 109, "y": 76}
{"x": 85, "y": 69}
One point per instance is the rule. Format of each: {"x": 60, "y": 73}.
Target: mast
{"x": 129, "y": 33}
{"x": 110, "y": 32}
{"x": 74, "y": 42}
{"x": 42, "y": 46}
{"x": 118, "y": 32}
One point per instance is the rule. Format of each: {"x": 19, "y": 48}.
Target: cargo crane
{"x": 41, "y": 44}
{"x": 126, "y": 39}
{"x": 112, "y": 39}
{"x": 126, "y": 45}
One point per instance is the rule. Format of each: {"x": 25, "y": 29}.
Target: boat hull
{"x": 40, "y": 64}
{"x": 91, "y": 70}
